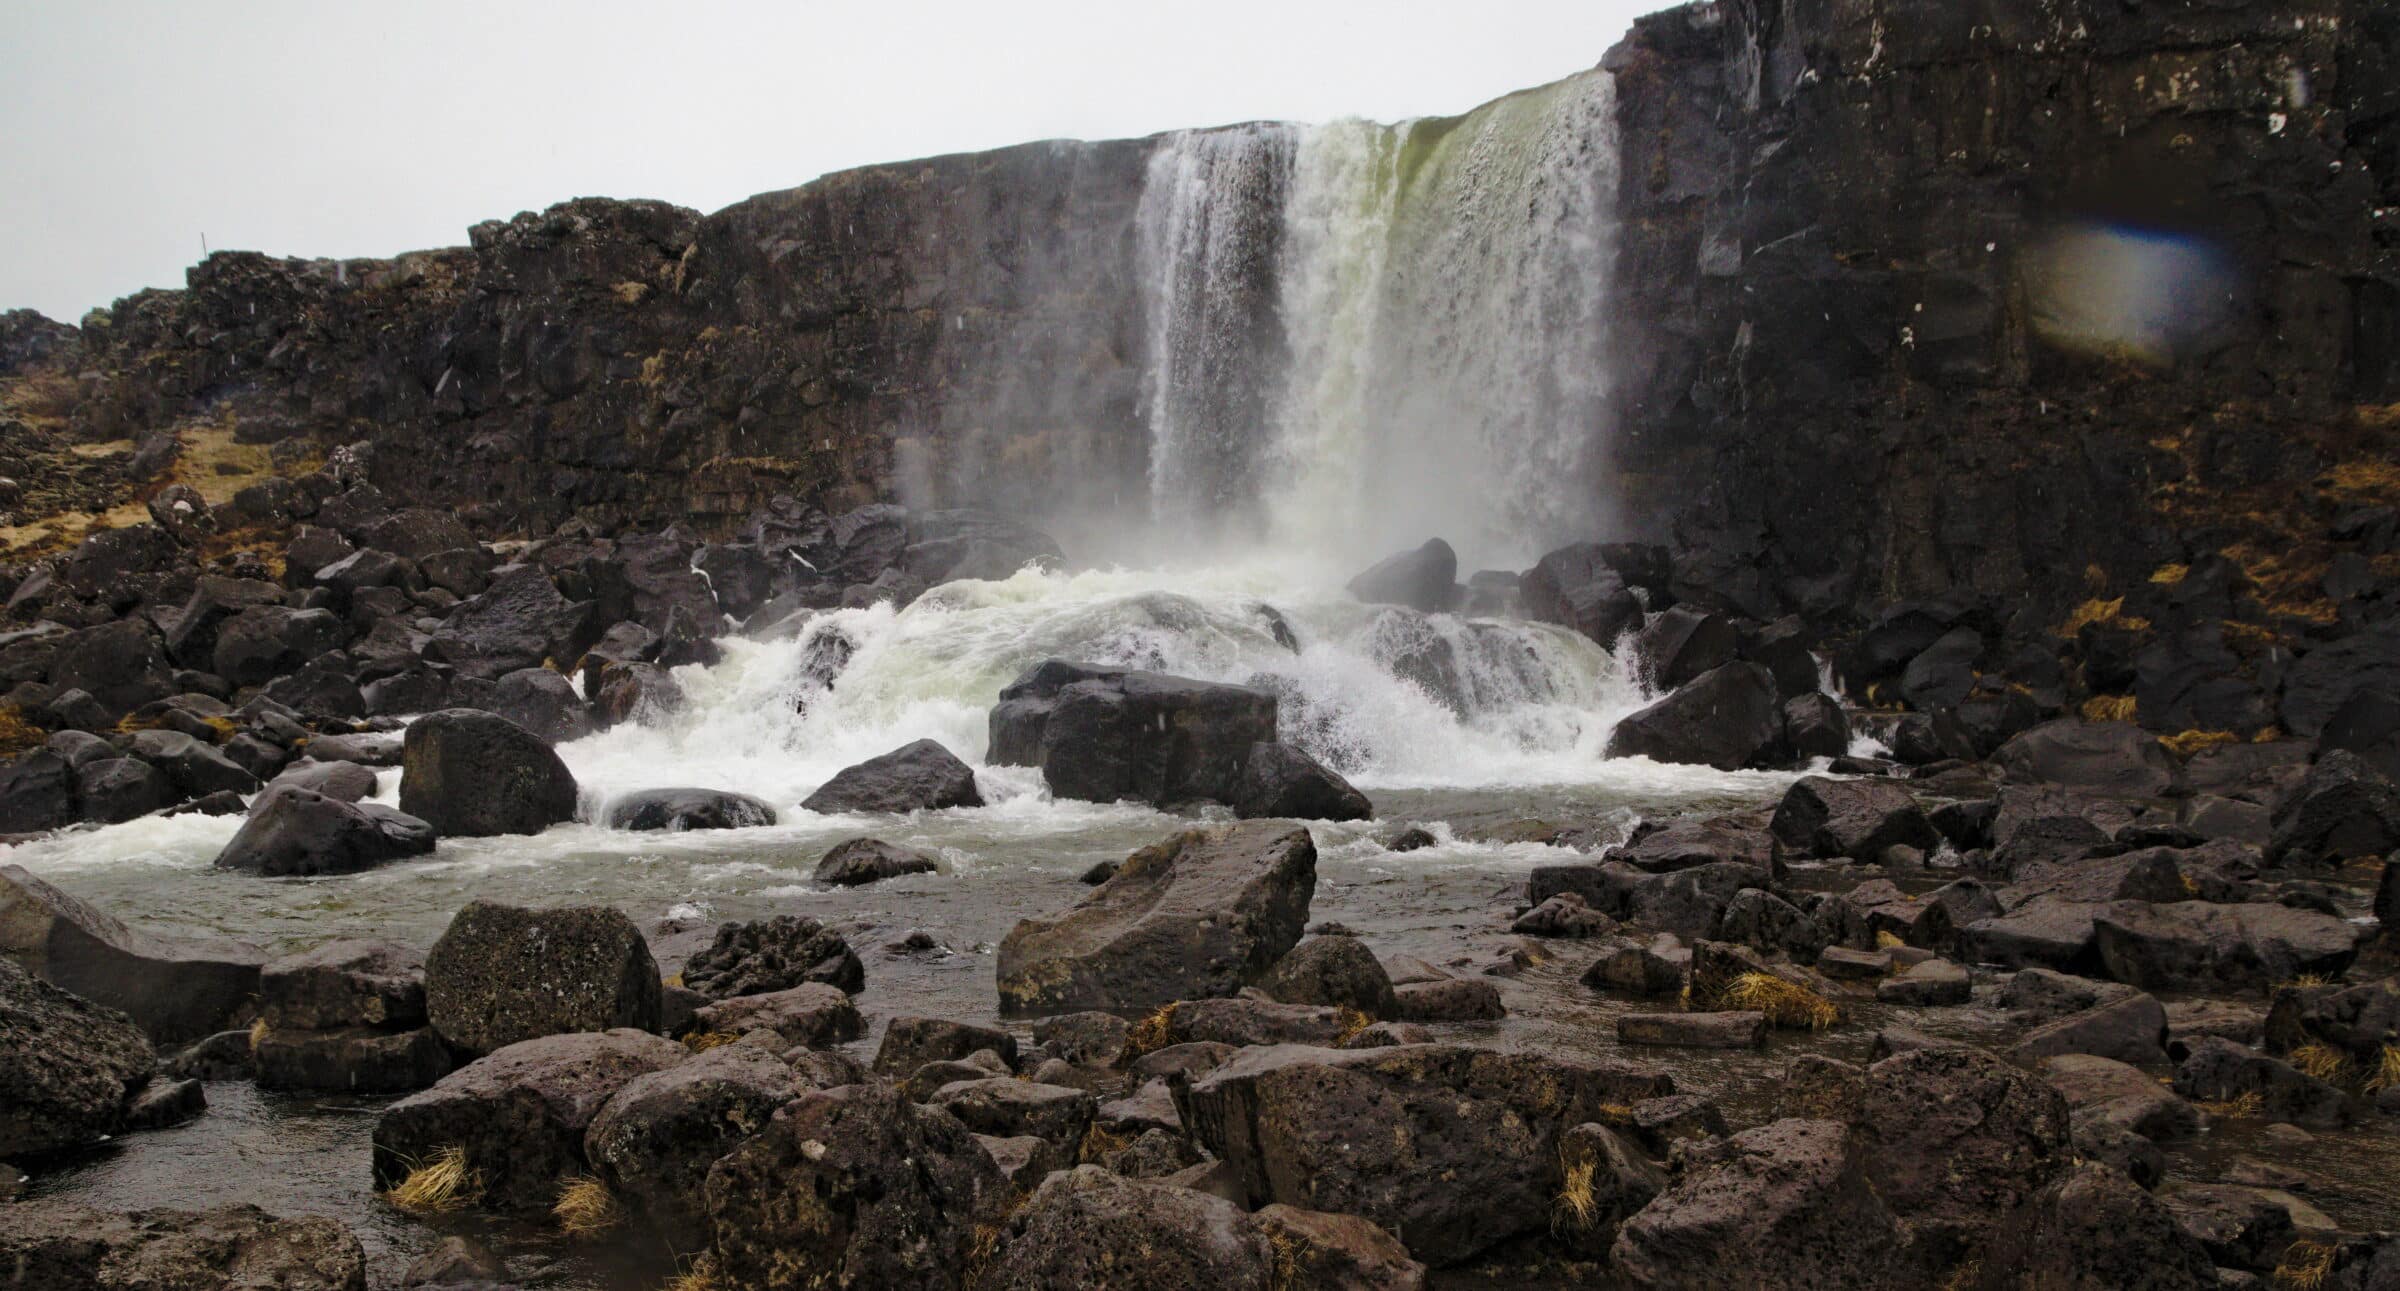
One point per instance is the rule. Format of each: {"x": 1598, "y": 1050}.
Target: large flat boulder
{"x": 68, "y": 1067}
{"x": 2202, "y": 945}
{"x": 503, "y": 974}
{"x": 1453, "y": 1149}
{"x": 176, "y": 989}
{"x": 1201, "y": 914}
{"x": 2344, "y": 808}
{"x": 2117, "y": 759}
{"x": 472, "y": 774}
{"x": 1104, "y": 734}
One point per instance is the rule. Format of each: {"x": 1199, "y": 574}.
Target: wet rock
{"x": 293, "y": 831}
{"x": 175, "y": 989}
{"x": 1681, "y": 642}
{"x": 458, "y": 1261}
{"x": 344, "y": 983}
{"x": 1564, "y": 915}
{"x": 1845, "y": 964}
{"x": 1455, "y": 1148}
{"x": 518, "y": 621}
{"x": 632, "y": 692}
{"x": 927, "y": 1080}
{"x": 1281, "y": 780}
{"x": 2216, "y": 1070}
{"x": 1091, "y": 1039}
{"x": 1246, "y": 1021}
{"x": 2194, "y": 945}
{"x": 519, "y": 1114}
{"x": 1785, "y": 1204}
{"x": 654, "y": 1140}
{"x": 68, "y": 1068}
{"x": 2046, "y": 932}
{"x": 910, "y": 1043}
{"x": 1575, "y": 587}
{"x": 1728, "y": 718}
{"x": 118, "y": 664}
{"x": 1644, "y": 970}
{"x": 682, "y": 809}
{"x": 1814, "y": 726}
{"x": 111, "y": 790}
{"x": 350, "y": 1059}
{"x": 1005, "y": 1107}
{"x": 542, "y": 702}
{"x": 503, "y": 974}
{"x": 1932, "y": 984}
{"x": 223, "y": 1056}
{"x": 2130, "y": 1028}
{"x": 813, "y": 1015}
{"x": 2094, "y": 1228}
{"x": 1763, "y": 921}
{"x": 1693, "y": 841}
{"x": 775, "y": 954}
{"x": 922, "y": 776}
{"x": 1201, "y": 914}
{"x": 1855, "y": 818}
{"x": 2343, "y": 809}
{"x": 340, "y": 781}
{"x": 859, "y": 861}
{"x": 2240, "y": 1228}
{"x": 1728, "y": 1030}
{"x": 194, "y": 767}
{"x": 1425, "y": 579}
{"x": 1458, "y": 999}
{"x": 1953, "y": 1140}
{"x": 1104, "y": 734}
{"x": 472, "y": 774}
{"x": 51, "y": 1245}
{"x": 856, "y": 1185}
{"x": 1336, "y": 971}
{"x": 2104, "y": 1089}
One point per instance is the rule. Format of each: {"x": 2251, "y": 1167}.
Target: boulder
{"x": 856, "y": 1186}
{"x": 1455, "y": 1149}
{"x": 1729, "y": 1030}
{"x": 812, "y": 1015}
{"x": 37, "y": 793}
{"x": 1855, "y": 818}
{"x": 518, "y": 1114}
{"x": 2240, "y": 1228}
{"x": 2123, "y": 1095}
{"x": 1645, "y": 971}
{"x": 2342, "y": 810}
{"x": 2217, "y": 1070}
{"x": 2046, "y": 932}
{"x": 1006, "y": 1107}
{"x": 175, "y": 989}
{"x": 775, "y": 954}
{"x": 1336, "y": 971}
{"x": 2368, "y": 724}
{"x": 922, "y": 776}
{"x": 264, "y": 642}
{"x": 1576, "y": 588}
{"x": 1564, "y": 915}
{"x": 1814, "y": 726}
{"x": 2114, "y": 758}
{"x": 910, "y": 1043}
{"x": 2093, "y": 1229}
{"x": 54, "y": 1246}
{"x": 1934, "y": 983}
{"x": 112, "y": 790}
{"x": 1953, "y": 1140}
{"x": 341, "y": 781}
{"x": 1244, "y": 1020}
{"x": 1201, "y": 914}
{"x": 1691, "y": 841}
{"x": 293, "y": 831}
{"x": 352, "y": 1060}
{"x": 518, "y": 621}
{"x": 118, "y": 664}
{"x": 1786, "y": 1204}
{"x": 542, "y": 702}
{"x": 2199, "y": 945}
{"x": 195, "y": 768}
{"x": 858, "y": 861}
{"x": 681, "y": 809}
{"x": 1104, "y": 734}
{"x": 1425, "y": 579}
{"x": 1090, "y": 1039}
{"x": 1281, "y": 780}
{"x": 344, "y": 983}
{"x": 504, "y": 974}
{"x": 2130, "y": 1028}
{"x": 1682, "y": 642}
{"x": 654, "y": 1140}
{"x": 1728, "y": 718}
{"x": 472, "y": 774}
{"x": 68, "y": 1067}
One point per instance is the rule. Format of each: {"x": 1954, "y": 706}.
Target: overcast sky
{"x": 129, "y": 131}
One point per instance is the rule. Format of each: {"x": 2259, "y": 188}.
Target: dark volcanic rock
{"x": 50, "y": 1246}
{"x": 68, "y": 1068}
{"x": 471, "y": 774}
{"x": 859, "y": 861}
{"x": 678, "y": 809}
{"x": 503, "y": 974}
{"x": 1103, "y": 734}
{"x": 1425, "y": 579}
{"x": 1854, "y": 818}
{"x": 812, "y": 1014}
{"x": 654, "y": 1140}
{"x": 1785, "y": 1204}
{"x": 1575, "y": 586}
{"x": 1281, "y": 780}
{"x": 922, "y": 776}
{"x": 1728, "y": 718}
{"x": 2200, "y": 945}
{"x": 2342, "y": 809}
{"x": 2094, "y": 1228}
{"x": 176, "y": 989}
{"x": 1201, "y": 914}
{"x": 293, "y": 831}
{"x": 1338, "y": 971}
{"x": 344, "y": 983}
{"x": 1681, "y": 643}
{"x": 2100, "y": 757}
{"x": 769, "y": 955}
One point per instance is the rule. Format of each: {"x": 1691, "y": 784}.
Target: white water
{"x": 1441, "y": 296}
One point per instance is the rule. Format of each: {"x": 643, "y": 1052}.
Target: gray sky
{"x": 129, "y": 130}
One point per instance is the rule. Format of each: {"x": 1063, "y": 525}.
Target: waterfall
{"x": 1428, "y": 357}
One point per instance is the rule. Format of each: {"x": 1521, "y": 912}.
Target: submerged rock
{"x": 777, "y": 954}
{"x": 679, "y": 809}
{"x": 1425, "y": 579}
{"x": 1785, "y": 1204}
{"x": 1105, "y": 734}
{"x": 858, "y": 861}
{"x": 1201, "y": 914}
{"x": 1282, "y": 780}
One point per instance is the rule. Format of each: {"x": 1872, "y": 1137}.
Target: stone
{"x": 518, "y": 1114}
{"x": 2104, "y": 1089}
{"x": 1201, "y": 914}
{"x": 1784, "y": 1204}
{"x": 1455, "y": 1149}
{"x": 341, "y": 781}
{"x": 194, "y": 767}
{"x": 1280, "y": 780}
{"x": 1575, "y": 587}
{"x": 812, "y": 1014}
{"x": 654, "y": 1140}
{"x": 118, "y": 664}
{"x": 350, "y": 1059}
{"x": 776, "y": 954}
{"x": 922, "y": 776}
{"x": 1641, "y": 970}
{"x": 1091, "y": 1039}
{"x": 1006, "y": 1107}
{"x": 2046, "y": 932}
{"x": 542, "y": 702}
{"x": 114, "y": 790}
{"x": 2343, "y": 809}
{"x": 859, "y": 861}
{"x": 68, "y": 1068}
{"x": 857, "y": 1186}
{"x": 2240, "y": 1228}
{"x": 1425, "y": 579}
{"x": 2199, "y": 945}
{"x": 1457, "y": 999}
{"x": 292, "y": 831}
{"x": 54, "y": 1246}
{"x": 457, "y": 1261}
{"x": 1932, "y": 984}
{"x": 472, "y": 774}
{"x": 264, "y": 642}
{"x": 1242, "y": 1021}
{"x": 2115, "y": 758}
{"x": 503, "y": 974}
{"x": 175, "y": 989}
{"x": 2216, "y": 1070}
{"x": 1684, "y": 641}
{"x": 1814, "y": 726}
{"x": 1855, "y": 818}
{"x": 1953, "y": 1140}
{"x": 344, "y": 983}
{"x": 2094, "y": 1229}
{"x": 1336, "y": 971}
{"x": 517, "y": 621}
{"x": 910, "y": 1043}
{"x": 682, "y": 809}
{"x": 1729, "y": 1030}
{"x": 1105, "y": 734}
{"x": 1728, "y": 718}
{"x": 1763, "y": 921}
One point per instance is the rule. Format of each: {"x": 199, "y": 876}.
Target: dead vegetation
{"x": 586, "y": 1209}
{"x": 440, "y": 1185}
{"x": 1787, "y": 1004}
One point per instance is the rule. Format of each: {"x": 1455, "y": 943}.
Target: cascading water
{"x": 1438, "y": 313}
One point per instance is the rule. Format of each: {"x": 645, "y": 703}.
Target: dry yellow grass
{"x": 2184, "y": 744}
{"x": 1786, "y": 1004}
{"x": 1151, "y": 1034}
{"x": 440, "y": 1185}
{"x": 585, "y": 1208}
{"x": 258, "y": 1032}
{"x": 2305, "y": 1266}
{"x": 1888, "y": 940}
{"x": 2387, "y": 1071}
{"x": 1353, "y": 1022}
{"x": 2109, "y": 708}
{"x": 699, "y": 1275}
{"x": 2248, "y": 1105}
{"x": 2107, "y": 614}
{"x": 1098, "y": 1143}
{"x": 1577, "y": 1204}
{"x": 16, "y": 734}
{"x": 2320, "y": 1060}
{"x": 2169, "y": 575}
{"x": 703, "y": 1041}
